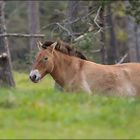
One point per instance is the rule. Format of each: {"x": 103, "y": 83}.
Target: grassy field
{"x": 38, "y": 111}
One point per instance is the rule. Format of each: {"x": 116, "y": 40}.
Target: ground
{"x": 38, "y": 111}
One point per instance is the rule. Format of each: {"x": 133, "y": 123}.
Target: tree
{"x": 6, "y": 77}
{"x": 72, "y": 10}
{"x": 72, "y": 13}
{"x": 132, "y": 9}
{"x": 34, "y": 24}
{"x": 111, "y": 51}
{"x": 102, "y": 34}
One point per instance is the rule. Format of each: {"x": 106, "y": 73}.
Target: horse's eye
{"x": 46, "y": 58}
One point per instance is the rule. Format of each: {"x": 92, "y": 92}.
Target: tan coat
{"x": 75, "y": 74}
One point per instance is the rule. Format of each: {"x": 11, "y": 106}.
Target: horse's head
{"x": 43, "y": 63}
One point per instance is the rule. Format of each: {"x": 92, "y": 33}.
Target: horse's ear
{"x": 39, "y": 45}
{"x": 53, "y": 46}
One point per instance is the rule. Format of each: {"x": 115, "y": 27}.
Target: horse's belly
{"x": 120, "y": 88}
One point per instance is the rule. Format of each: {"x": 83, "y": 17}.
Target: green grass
{"x": 38, "y": 111}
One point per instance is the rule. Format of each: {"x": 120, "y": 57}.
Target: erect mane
{"x": 64, "y": 48}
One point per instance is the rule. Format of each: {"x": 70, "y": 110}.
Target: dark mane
{"x": 64, "y": 48}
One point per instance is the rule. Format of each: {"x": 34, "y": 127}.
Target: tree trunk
{"x": 6, "y": 77}
{"x": 132, "y": 37}
{"x": 72, "y": 10}
{"x": 72, "y": 14}
{"x": 136, "y": 42}
{"x": 111, "y": 51}
{"x": 102, "y": 39}
{"x": 132, "y": 40}
{"x": 138, "y": 39}
{"x": 34, "y": 24}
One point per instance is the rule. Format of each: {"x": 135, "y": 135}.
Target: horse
{"x": 72, "y": 71}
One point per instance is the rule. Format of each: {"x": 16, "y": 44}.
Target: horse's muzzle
{"x": 34, "y": 79}
{"x": 35, "y": 76}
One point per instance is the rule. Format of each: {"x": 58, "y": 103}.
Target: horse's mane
{"x": 64, "y": 48}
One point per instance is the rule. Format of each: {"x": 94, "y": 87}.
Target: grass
{"x": 38, "y": 111}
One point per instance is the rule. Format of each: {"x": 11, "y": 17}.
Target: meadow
{"x": 38, "y": 111}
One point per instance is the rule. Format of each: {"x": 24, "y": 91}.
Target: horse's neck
{"x": 64, "y": 68}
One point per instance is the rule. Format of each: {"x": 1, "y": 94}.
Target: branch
{"x": 59, "y": 25}
{"x": 66, "y": 22}
{"x": 65, "y": 29}
{"x": 123, "y": 58}
{"x": 21, "y": 35}
{"x": 96, "y": 51}
{"x": 80, "y": 37}
{"x": 95, "y": 21}
{"x": 100, "y": 30}
{"x": 46, "y": 26}
{"x": 81, "y": 18}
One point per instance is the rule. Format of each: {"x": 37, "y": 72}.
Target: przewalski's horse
{"x": 70, "y": 69}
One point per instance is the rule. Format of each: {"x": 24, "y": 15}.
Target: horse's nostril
{"x": 33, "y": 78}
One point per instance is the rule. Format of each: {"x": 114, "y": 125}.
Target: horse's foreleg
{"x": 85, "y": 87}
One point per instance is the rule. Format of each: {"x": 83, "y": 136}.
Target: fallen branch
{"x": 21, "y": 35}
